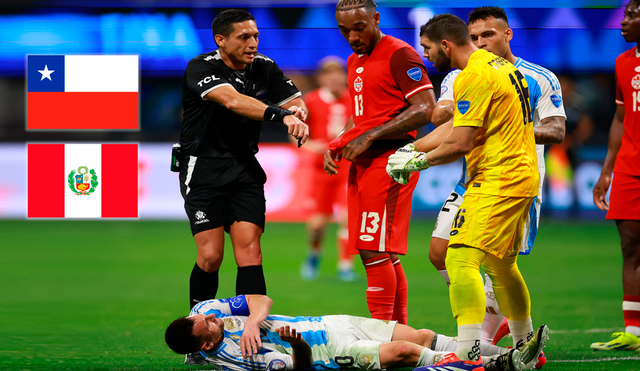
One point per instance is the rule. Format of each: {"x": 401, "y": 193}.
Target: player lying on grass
{"x": 239, "y": 334}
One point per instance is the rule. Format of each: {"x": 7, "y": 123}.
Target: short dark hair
{"x": 354, "y": 4}
{"x": 223, "y": 23}
{"x": 486, "y": 12}
{"x": 637, "y": 2}
{"x": 446, "y": 27}
{"x": 180, "y": 338}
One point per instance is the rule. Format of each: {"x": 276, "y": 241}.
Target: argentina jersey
{"x": 275, "y": 353}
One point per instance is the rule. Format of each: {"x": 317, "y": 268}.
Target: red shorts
{"x": 328, "y": 193}
{"x": 379, "y": 208}
{"x": 624, "y": 200}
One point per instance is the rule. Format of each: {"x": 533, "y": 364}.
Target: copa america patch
{"x": 277, "y": 364}
{"x": 444, "y": 89}
{"x": 415, "y": 73}
{"x": 556, "y": 100}
{"x": 463, "y": 106}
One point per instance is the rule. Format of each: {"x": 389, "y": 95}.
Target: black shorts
{"x": 218, "y": 192}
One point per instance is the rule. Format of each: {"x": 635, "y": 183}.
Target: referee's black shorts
{"x": 220, "y": 191}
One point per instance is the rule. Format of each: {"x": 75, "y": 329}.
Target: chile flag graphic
{"x": 80, "y": 92}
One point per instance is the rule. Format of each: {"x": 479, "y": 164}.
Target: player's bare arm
{"x": 302, "y": 358}
{"x": 331, "y": 158}
{"x": 615, "y": 140}
{"x": 417, "y": 115}
{"x": 455, "y": 146}
{"x": 442, "y": 113}
{"x": 252, "y": 108}
{"x": 550, "y": 131}
{"x": 259, "y": 308}
{"x": 442, "y": 118}
{"x": 435, "y": 138}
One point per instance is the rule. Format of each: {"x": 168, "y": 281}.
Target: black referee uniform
{"x": 220, "y": 179}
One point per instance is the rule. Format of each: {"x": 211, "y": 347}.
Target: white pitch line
{"x": 594, "y": 360}
{"x": 588, "y": 331}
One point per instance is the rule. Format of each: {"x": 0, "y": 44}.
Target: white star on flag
{"x": 46, "y": 73}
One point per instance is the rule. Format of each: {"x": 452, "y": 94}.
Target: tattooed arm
{"x": 416, "y": 116}
{"x": 551, "y": 130}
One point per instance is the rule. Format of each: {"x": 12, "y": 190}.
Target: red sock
{"x": 631, "y": 310}
{"x": 400, "y": 303}
{"x": 343, "y": 245}
{"x": 381, "y": 290}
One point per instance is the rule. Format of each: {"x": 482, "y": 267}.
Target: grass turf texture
{"x": 78, "y": 295}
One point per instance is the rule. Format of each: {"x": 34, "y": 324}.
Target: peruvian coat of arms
{"x": 84, "y": 182}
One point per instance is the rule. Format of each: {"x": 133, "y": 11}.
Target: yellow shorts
{"x": 491, "y": 223}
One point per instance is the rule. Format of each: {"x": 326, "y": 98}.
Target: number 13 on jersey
{"x": 359, "y": 109}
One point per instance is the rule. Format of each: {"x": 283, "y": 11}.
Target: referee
{"x": 225, "y": 95}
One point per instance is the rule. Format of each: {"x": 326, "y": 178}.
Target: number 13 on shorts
{"x": 370, "y": 224}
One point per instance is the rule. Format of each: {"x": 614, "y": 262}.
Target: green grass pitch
{"x": 80, "y": 295}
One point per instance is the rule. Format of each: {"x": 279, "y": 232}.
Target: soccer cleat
{"x": 542, "y": 360}
{"x": 195, "y": 359}
{"x": 511, "y": 361}
{"x": 503, "y": 331}
{"x": 621, "y": 341}
{"x": 348, "y": 275}
{"x": 310, "y": 267}
{"x": 452, "y": 363}
{"x": 532, "y": 348}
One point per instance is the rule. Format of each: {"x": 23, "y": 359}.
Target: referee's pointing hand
{"x": 297, "y": 128}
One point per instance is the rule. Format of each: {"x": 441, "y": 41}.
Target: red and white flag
{"x": 82, "y": 180}
{"x": 82, "y": 92}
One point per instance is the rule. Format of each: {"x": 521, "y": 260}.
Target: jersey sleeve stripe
{"x": 296, "y": 95}
{"x": 619, "y": 102}
{"x": 414, "y": 91}
{"x": 204, "y": 93}
{"x": 552, "y": 80}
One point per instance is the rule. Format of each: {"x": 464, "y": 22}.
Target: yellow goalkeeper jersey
{"x": 490, "y": 93}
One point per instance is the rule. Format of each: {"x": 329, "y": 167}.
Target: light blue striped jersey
{"x": 275, "y": 353}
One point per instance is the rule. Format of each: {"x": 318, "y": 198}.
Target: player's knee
{"x": 405, "y": 349}
{"x": 209, "y": 259}
{"x": 426, "y": 337}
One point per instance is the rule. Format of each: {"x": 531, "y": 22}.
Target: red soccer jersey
{"x": 381, "y": 84}
{"x": 628, "y": 95}
{"x": 328, "y": 115}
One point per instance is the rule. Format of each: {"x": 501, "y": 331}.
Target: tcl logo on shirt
{"x": 207, "y": 80}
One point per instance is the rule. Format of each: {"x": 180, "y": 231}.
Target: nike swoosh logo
{"x": 272, "y": 116}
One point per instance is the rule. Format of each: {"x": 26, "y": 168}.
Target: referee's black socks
{"x": 250, "y": 280}
{"x": 202, "y": 286}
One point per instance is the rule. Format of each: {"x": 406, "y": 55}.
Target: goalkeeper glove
{"x": 404, "y": 161}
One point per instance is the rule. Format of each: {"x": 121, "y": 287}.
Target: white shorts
{"x": 447, "y": 215}
{"x": 354, "y": 342}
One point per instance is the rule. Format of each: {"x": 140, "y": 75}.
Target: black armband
{"x": 275, "y": 114}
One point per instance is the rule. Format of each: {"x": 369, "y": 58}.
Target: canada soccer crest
{"x": 635, "y": 82}
{"x": 84, "y": 182}
{"x": 357, "y": 84}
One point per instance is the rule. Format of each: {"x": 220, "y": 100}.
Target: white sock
{"x": 469, "y": 342}
{"x": 633, "y": 330}
{"x": 446, "y": 343}
{"x": 444, "y": 274}
{"x": 488, "y": 349}
{"x": 493, "y": 316}
{"x": 521, "y": 330}
{"x": 429, "y": 357}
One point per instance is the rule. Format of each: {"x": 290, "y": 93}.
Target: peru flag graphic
{"x": 82, "y": 92}
{"x": 82, "y": 180}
